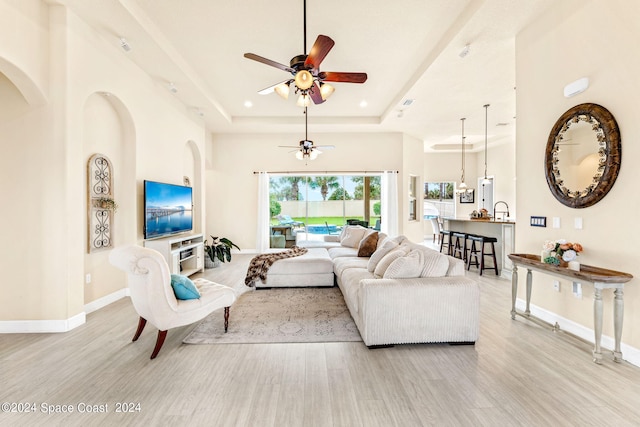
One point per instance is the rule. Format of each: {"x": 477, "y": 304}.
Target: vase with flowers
{"x": 560, "y": 252}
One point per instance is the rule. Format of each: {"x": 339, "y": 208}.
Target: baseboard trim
{"x": 54, "y": 326}
{"x": 106, "y": 300}
{"x": 41, "y": 326}
{"x": 629, "y": 354}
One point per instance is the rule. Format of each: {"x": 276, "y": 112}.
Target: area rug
{"x": 280, "y": 315}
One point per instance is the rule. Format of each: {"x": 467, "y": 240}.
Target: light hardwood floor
{"x": 517, "y": 374}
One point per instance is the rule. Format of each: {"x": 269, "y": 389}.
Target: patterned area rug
{"x": 280, "y": 315}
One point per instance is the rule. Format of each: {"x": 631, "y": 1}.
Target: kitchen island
{"x": 503, "y": 231}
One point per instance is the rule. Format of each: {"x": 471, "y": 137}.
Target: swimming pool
{"x": 323, "y": 229}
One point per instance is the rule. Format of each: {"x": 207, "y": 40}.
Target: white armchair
{"x": 153, "y": 297}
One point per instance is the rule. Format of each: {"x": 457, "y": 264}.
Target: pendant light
{"x": 462, "y": 188}
{"x": 486, "y": 180}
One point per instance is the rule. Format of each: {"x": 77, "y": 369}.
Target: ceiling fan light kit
{"x": 303, "y": 101}
{"x": 303, "y": 80}
{"x": 306, "y": 150}
{"x": 326, "y": 90}
{"x": 283, "y": 89}
{"x": 305, "y": 69}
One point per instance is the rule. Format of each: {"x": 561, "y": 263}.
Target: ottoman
{"x": 314, "y": 268}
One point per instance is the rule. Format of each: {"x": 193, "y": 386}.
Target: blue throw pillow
{"x": 183, "y": 287}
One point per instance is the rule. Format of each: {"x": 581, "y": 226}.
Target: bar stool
{"x": 445, "y": 242}
{"x": 459, "y": 245}
{"x": 474, "y": 250}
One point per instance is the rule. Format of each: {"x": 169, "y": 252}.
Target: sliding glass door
{"x": 323, "y": 203}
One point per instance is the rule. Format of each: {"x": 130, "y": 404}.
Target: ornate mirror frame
{"x": 607, "y": 133}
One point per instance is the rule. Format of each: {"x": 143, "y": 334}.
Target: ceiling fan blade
{"x": 270, "y": 89}
{"x": 326, "y": 147}
{"x": 315, "y": 94}
{"x": 333, "y": 76}
{"x": 268, "y": 62}
{"x": 319, "y": 50}
{"x": 288, "y": 146}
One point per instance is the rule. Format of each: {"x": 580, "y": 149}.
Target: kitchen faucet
{"x": 502, "y": 212}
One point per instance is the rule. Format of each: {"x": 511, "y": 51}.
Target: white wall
{"x": 581, "y": 39}
{"x": 232, "y": 159}
{"x": 143, "y": 130}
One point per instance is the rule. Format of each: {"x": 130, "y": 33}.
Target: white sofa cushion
{"x": 408, "y": 266}
{"x": 340, "y": 264}
{"x": 342, "y": 251}
{"x": 350, "y": 288}
{"x": 386, "y": 261}
{"x": 379, "y": 253}
{"x": 419, "y": 261}
{"x": 315, "y": 261}
{"x": 352, "y": 235}
{"x": 381, "y": 238}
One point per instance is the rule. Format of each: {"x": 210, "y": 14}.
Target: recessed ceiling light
{"x": 172, "y": 88}
{"x": 197, "y": 111}
{"x": 124, "y": 44}
{"x": 363, "y": 104}
{"x": 502, "y": 124}
{"x": 464, "y": 52}
{"x": 248, "y": 104}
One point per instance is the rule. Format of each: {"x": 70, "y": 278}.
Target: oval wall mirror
{"x": 582, "y": 158}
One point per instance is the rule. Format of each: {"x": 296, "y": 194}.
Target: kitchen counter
{"x": 490, "y": 221}
{"x": 503, "y": 231}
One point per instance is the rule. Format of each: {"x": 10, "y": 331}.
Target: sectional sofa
{"x": 400, "y": 292}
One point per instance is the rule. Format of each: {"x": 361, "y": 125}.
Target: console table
{"x": 601, "y": 279}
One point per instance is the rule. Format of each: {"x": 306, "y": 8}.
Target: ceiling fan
{"x": 308, "y": 80}
{"x": 306, "y": 150}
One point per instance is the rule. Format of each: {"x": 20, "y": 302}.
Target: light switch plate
{"x": 538, "y": 221}
{"x": 556, "y": 222}
{"x": 577, "y": 223}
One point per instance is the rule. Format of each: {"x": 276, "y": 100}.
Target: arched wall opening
{"x": 108, "y": 129}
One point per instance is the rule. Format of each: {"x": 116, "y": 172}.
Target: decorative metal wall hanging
{"x": 101, "y": 204}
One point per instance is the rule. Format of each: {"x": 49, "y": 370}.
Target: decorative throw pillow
{"x": 377, "y": 256}
{"x": 368, "y": 245}
{"x": 405, "y": 267}
{"x": 434, "y": 264}
{"x": 386, "y": 261}
{"x": 183, "y": 287}
{"x": 381, "y": 238}
{"x": 352, "y": 236}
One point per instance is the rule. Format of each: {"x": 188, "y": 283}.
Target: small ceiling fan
{"x": 308, "y": 80}
{"x": 306, "y": 150}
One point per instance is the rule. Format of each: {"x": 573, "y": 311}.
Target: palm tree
{"x": 291, "y": 190}
{"x": 324, "y": 183}
{"x": 374, "y": 187}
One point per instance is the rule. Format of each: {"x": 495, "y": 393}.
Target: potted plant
{"x": 107, "y": 203}
{"x": 218, "y": 251}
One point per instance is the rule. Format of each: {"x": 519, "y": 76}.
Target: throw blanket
{"x": 259, "y": 265}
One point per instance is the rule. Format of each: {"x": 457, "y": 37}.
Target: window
{"x": 324, "y": 203}
{"x": 439, "y": 199}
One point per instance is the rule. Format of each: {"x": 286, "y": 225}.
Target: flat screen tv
{"x": 168, "y": 209}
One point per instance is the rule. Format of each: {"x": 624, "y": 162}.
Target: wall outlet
{"x": 556, "y": 285}
{"x": 577, "y": 290}
{"x": 87, "y": 278}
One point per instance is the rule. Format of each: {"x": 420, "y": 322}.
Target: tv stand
{"x": 184, "y": 254}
